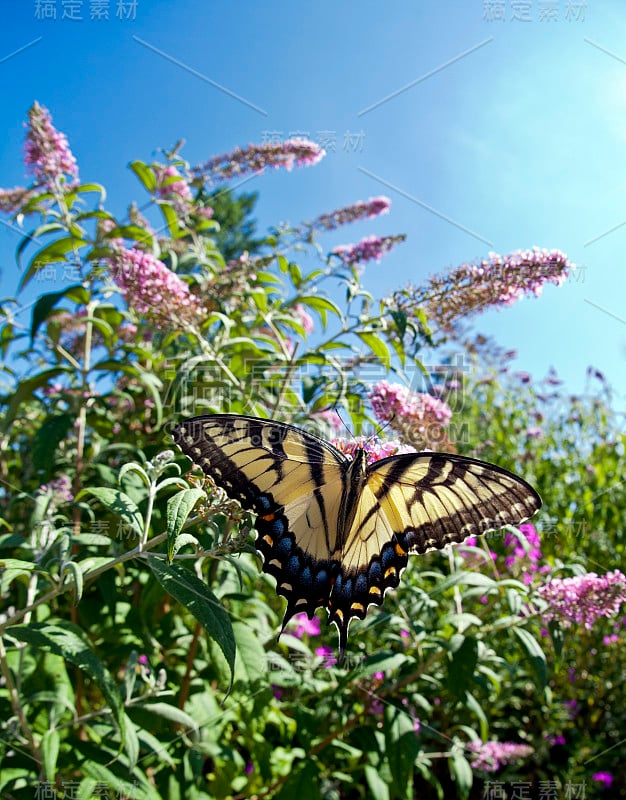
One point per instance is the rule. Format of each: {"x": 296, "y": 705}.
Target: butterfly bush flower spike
{"x": 154, "y": 290}
{"x": 418, "y": 417}
{"x": 369, "y": 209}
{"x": 173, "y": 187}
{"x": 495, "y": 282}
{"x": 584, "y": 599}
{"x": 47, "y": 153}
{"x": 256, "y": 158}
{"x": 490, "y": 756}
{"x": 371, "y": 248}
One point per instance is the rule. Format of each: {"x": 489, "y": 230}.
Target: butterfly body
{"x": 337, "y": 532}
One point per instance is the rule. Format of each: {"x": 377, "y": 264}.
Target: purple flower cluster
{"x": 47, "y": 153}
{"x": 359, "y": 210}
{"x": 375, "y": 448}
{"x": 174, "y": 188}
{"x": 59, "y": 488}
{"x": 154, "y": 290}
{"x": 584, "y": 599}
{"x": 371, "y": 248}
{"x": 418, "y": 417}
{"x": 255, "y": 158}
{"x": 605, "y": 778}
{"x": 494, "y": 282}
{"x": 527, "y": 562}
{"x": 11, "y": 200}
{"x": 490, "y": 756}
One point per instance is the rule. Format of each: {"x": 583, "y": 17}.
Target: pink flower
{"x": 494, "y": 282}
{"x": 310, "y": 627}
{"x": 153, "y": 290}
{"x": 60, "y": 489}
{"x": 47, "y": 154}
{"x": 360, "y": 210}
{"x": 255, "y": 158}
{"x": 605, "y": 778}
{"x": 143, "y": 659}
{"x": 490, "y": 756}
{"x": 367, "y": 249}
{"x": 12, "y": 200}
{"x": 418, "y": 417}
{"x": 306, "y": 320}
{"x": 584, "y": 599}
{"x": 327, "y": 654}
{"x": 174, "y": 188}
{"x": 375, "y": 449}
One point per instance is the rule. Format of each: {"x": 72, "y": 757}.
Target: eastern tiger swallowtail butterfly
{"x": 335, "y": 532}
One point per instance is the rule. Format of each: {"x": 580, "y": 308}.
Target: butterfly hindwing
{"x": 413, "y": 503}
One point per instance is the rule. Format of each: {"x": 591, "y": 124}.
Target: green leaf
{"x": 303, "y": 784}
{"x": 76, "y": 574}
{"x": 461, "y": 771}
{"x": 53, "y": 431}
{"x": 49, "y": 745}
{"x": 118, "y": 503}
{"x": 250, "y": 664}
{"x": 68, "y": 641}
{"x": 462, "y": 663}
{"x": 178, "y": 509}
{"x": 378, "y": 347}
{"x": 556, "y": 632}
{"x": 377, "y": 786}
{"x": 466, "y": 578}
{"x": 196, "y": 596}
{"x": 51, "y": 253}
{"x": 145, "y": 174}
{"x": 535, "y": 654}
{"x": 401, "y": 747}
{"x": 173, "y": 714}
{"x": 45, "y": 304}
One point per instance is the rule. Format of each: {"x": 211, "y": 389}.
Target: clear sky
{"x": 490, "y": 125}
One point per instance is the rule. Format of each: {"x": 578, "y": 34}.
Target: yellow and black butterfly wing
{"x": 412, "y": 504}
{"x": 293, "y": 481}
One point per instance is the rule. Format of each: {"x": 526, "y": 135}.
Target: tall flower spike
{"x": 368, "y": 249}
{"x": 256, "y": 158}
{"x": 352, "y": 213}
{"x": 47, "y": 153}
{"x": 497, "y": 281}
{"x": 153, "y": 290}
{"x": 418, "y": 417}
{"x": 584, "y": 599}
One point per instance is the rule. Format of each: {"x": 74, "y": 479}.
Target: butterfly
{"x": 336, "y": 532}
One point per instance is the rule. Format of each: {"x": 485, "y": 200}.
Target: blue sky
{"x": 495, "y": 134}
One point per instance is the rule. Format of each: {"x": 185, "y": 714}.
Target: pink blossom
{"x": 605, "y": 778}
{"x": 497, "y": 281}
{"x": 60, "y": 489}
{"x": 367, "y": 249}
{"x": 360, "y": 210}
{"x": 330, "y": 417}
{"x": 419, "y": 418}
{"x": 12, "y": 200}
{"x": 173, "y": 187}
{"x": 306, "y": 320}
{"x": 490, "y": 756}
{"x": 310, "y": 627}
{"x": 154, "y": 290}
{"x": 47, "y": 154}
{"x": 584, "y": 599}
{"x": 255, "y": 158}
{"x": 375, "y": 449}
{"x": 327, "y": 654}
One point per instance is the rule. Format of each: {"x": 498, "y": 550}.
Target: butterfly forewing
{"x": 293, "y": 481}
{"x": 302, "y": 489}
